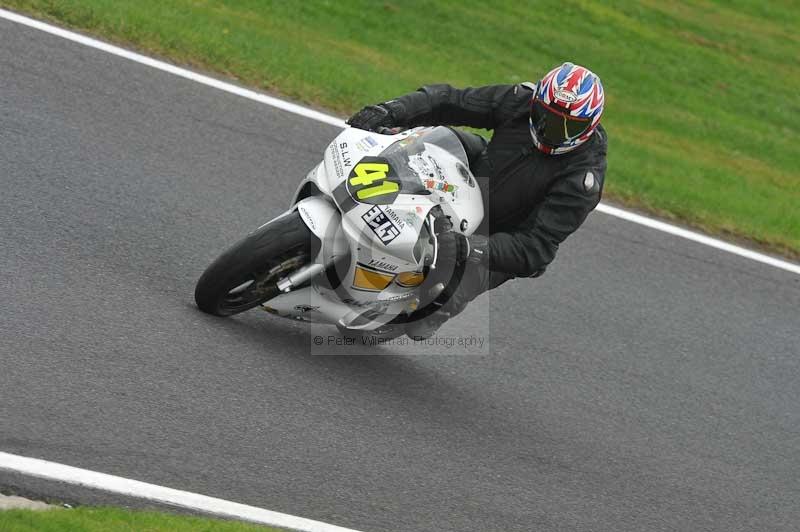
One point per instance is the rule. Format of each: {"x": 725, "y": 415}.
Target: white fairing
{"x": 373, "y": 213}
{"x": 323, "y": 218}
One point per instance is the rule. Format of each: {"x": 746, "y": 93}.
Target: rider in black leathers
{"x": 533, "y": 198}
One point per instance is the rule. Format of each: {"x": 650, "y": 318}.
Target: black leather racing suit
{"x": 532, "y": 200}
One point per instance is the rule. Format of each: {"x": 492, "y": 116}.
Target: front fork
{"x": 302, "y": 275}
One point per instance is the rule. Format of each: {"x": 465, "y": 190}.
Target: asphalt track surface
{"x": 644, "y": 383}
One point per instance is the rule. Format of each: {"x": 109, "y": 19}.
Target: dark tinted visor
{"x": 555, "y": 127}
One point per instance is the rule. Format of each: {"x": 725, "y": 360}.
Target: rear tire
{"x": 245, "y": 276}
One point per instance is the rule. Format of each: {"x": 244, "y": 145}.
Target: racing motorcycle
{"x": 358, "y": 246}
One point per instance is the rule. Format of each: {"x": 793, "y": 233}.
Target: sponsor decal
{"x": 345, "y": 154}
{"x": 306, "y": 308}
{"x": 366, "y": 144}
{"x": 588, "y": 181}
{"x": 565, "y": 96}
{"x": 369, "y": 182}
{"x": 381, "y": 225}
{"x": 419, "y": 164}
{"x": 382, "y": 265}
{"x": 444, "y": 186}
{"x": 380, "y": 303}
{"x": 399, "y": 297}
{"x": 340, "y": 158}
{"x": 307, "y": 218}
{"x": 426, "y": 165}
{"x": 393, "y": 216}
{"x": 439, "y": 171}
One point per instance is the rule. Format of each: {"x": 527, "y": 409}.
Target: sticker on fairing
{"x": 381, "y": 225}
{"x": 443, "y": 186}
{"x": 366, "y": 144}
{"x": 369, "y": 182}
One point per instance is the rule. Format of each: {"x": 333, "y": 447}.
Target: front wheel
{"x": 246, "y": 275}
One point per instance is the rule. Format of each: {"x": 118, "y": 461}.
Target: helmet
{"x": 565, "y": 108}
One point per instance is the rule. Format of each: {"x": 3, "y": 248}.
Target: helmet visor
{"x": 556, "y": 127}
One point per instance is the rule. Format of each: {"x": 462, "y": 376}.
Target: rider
{"x": 540, "y": 175}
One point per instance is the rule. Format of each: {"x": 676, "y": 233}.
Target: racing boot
{"x": 426, "y": 327}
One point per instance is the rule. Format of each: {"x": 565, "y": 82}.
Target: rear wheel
{"x": 246, "y": 275}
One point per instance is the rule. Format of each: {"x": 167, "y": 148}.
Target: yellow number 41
{"x": 369, "y": 173}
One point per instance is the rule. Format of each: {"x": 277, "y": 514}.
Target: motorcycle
{"x": 358, "y": 247}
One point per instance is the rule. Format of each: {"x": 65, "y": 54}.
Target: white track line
{"x": 699, "y": 238}
{"x": 334, "y": 121}
{"x": 184, "y": 499}
{"x": 172, "y": 69}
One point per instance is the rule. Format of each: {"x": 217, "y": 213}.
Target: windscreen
{"x": 407, "y": 158}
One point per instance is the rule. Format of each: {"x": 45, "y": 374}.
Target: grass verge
{"x": 701, "y": 113}
{"x": 85, "y": 519}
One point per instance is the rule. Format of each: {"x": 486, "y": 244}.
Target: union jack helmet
{"x": 565, "y": 108}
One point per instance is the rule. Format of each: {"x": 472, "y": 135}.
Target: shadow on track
{"x": 440, "y": 392}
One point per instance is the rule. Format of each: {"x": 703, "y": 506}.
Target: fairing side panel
{"x": 324, "y": 220}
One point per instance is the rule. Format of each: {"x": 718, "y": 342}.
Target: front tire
{"x": 245, "y": 276}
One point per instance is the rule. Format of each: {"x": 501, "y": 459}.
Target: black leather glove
{"x": 372, "y": 117}
{"x": 456, "y": 253}
{"x": 478, "y": 249}
{"x": 460, "y": 248}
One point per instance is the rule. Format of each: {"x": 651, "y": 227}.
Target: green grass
{"x": 85, "y": 519}
{"x": 703, "y": 106}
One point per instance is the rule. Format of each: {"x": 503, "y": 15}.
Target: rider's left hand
{"x": 383, "y": 115}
